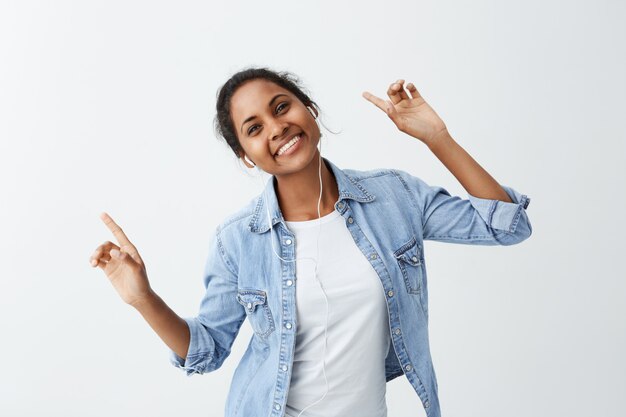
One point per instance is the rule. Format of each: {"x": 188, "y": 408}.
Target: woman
{"x": 353, "y": 265}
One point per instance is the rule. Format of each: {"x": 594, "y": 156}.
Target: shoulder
{"x": 229, "y": 236}
{"x": 238, "y": 221}
{"x": 393, "y": 184}
{"x": 385, "y": 177}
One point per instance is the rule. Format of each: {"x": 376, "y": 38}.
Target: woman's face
{"x": 266, "y": 118}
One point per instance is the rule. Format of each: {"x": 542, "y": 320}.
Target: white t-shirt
{"x": 358, "y": 325}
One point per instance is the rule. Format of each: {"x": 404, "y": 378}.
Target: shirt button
{"x": 408, "y": 367}
{"x": 414, "y": 259}
{"x": 398, "y": 331}
{"x": 426, "y": 404}
{"x": 350, "y": 220}
{"x": 249, "y": 305}
{"x": 373, "y": 256}
{"x": 284, "y": 367}
{"x": 288, "y": 325}
{"x": 289, "y": 283}
{"x": 390, "y": 293}
{"x": 288, "y": 242}
{"x": 340, "y": 206}
{"x": 277, "y": 406}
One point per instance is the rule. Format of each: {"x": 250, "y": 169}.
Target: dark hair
{"x": 223, "y": 123}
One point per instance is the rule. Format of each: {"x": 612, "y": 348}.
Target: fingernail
{"x": 115, "y": 252}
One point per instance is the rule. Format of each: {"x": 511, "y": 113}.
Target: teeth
{"x": 288, "y": 145}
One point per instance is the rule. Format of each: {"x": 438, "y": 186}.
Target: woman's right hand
{"x": 122, "y": 265}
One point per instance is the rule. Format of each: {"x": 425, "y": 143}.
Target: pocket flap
{"x": 251, "y": 298}
{"x": 409, "y": 253}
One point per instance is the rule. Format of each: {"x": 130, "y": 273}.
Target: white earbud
{"x": 312, "y": 112}
{"x": 248, "y": 160}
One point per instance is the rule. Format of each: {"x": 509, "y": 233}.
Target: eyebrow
{"x": 269, "y": 105}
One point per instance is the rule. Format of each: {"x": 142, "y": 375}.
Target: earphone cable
{"x": 314, "y": 261}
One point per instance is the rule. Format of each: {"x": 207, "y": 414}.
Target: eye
{"x": 279, "y": 108}
{"x": 281, "y": 104}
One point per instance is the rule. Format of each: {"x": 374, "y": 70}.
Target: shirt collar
{"x": 348, "y": 187}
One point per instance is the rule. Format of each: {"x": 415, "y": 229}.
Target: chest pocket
{"x": 410, "y": 261}
{"x": 257, "y": 310}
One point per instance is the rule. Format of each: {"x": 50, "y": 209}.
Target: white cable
{"x": 319, "y": 228}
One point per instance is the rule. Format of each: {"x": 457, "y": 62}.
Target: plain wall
{"x": 108, "y": 106}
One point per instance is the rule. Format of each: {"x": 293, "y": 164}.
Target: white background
{"x": 108, "y": 106}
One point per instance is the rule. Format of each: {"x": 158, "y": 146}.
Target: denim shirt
{"x": 389, "y": 213}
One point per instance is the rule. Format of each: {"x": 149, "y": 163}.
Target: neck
{"x": 298, "y": 193}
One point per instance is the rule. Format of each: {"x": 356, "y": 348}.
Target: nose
{"x": 278, "y": 129}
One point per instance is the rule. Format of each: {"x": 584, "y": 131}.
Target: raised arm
{"x": 414, "y": 116}
{"x": 492, "y": 215}
{"x": 196, "y": 344}
{"x": 168, "y": 325}
{"x": 126, "y": 271}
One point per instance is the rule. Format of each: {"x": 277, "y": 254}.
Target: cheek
{"x": 255, "y": 145}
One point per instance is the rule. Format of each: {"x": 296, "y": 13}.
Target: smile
{"x": 289, "y": 147}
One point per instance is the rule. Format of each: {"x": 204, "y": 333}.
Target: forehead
{"x": 253, "y": 96}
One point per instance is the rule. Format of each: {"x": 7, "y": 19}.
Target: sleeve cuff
{"x": 199, "y": 353}
{"x": 501, "y": 215}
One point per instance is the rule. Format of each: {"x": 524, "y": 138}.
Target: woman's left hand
{"x": 410, "y": 112}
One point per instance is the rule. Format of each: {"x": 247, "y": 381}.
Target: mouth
{"x": 290, "y": 146}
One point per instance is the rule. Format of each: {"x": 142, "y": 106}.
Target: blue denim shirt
{"x": 389, "y": 213}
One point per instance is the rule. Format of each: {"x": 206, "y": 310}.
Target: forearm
{"x": 170, "y": 327}
{"x": 465, "y": 169}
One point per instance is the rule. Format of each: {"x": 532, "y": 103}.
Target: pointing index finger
{"x": 115, "y": 229}
{"x": 380, "y": 103}
{"x": 386, "y": 106}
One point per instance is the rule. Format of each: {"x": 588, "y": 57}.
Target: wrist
{"x": 440, "y": 138}
{"x": 147, "y": 300}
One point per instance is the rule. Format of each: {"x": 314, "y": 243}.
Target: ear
{"x": 247, "y": 162}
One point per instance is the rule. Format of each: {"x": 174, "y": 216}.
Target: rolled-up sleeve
{"x": 508, "y": 221}
{"x": 475, "y": 221}
{"x": 213, "y": 330}
{"x": 201, "y": 348}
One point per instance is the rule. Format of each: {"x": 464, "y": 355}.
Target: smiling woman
{"x": 285, "y": 119}
{"x": 224, "y": 123}
{"x": 360, "y": 254}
